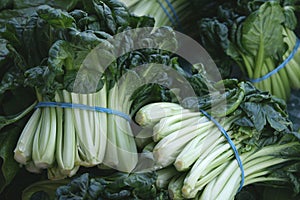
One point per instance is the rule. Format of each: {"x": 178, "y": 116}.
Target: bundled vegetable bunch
{"x": 195, "y": 158}
{"x": 181, "y": 15}
{"x": 165, "y": 12}
{"x": 72, "y": 65}
{"x": 259, "y": 37}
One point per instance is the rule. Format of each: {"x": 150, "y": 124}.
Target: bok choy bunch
{"x": 182, "y": 15}
{"x": 195, "y": 160}
{"x": 258, "y": 37}
{"x": 71, "y": 57}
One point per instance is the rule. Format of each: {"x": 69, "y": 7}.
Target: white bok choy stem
{"x": 170, "y": 124}
{"x": 121, "y": 151}
{"x": 111, "y": 154}
{"x": 100, "y": 123}
{"x": 86, "y": 148}
{"x": 151, "y": 114}
{"x": 44, "y": 142}
{"x": 167, "y": 149}
{"x": 66, "y": 135}
{"x": 23, "y": 150}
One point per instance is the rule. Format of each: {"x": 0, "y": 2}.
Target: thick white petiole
{"x": 23, "y": 150}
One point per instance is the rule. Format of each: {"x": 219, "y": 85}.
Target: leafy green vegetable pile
{"x": 116, "y": 186}
{"x": 185, "y": 139}
{"x": 93, "y": 53}
{"x": 257, "y": 36}
{"x": 43, "y": 57}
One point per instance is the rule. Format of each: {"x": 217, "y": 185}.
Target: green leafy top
{"x": 44, "y": 46}
{"x": 248, "y": 33}
{"x": 116, "y": 186}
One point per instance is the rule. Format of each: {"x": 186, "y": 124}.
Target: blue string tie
{"x": 167, "y": 12}
{"x": 236, "y": 153}
{"x": 83, "y": 107}
{"x": 174, "y": 12}
{"x": 176, "y": 21}
{"x": 283, "y": 64}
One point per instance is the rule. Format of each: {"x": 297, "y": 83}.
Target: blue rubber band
{"x": 82, "y": 107}
{"x": 236, "y": 153}
{"x": 174, "y": 13}
{"x": 167, "y": 13}
{"x": 280, "y": 66}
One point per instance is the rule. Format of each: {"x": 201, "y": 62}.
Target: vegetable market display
{"x": 60, "y": 62}
{"x": 44, "y": 49}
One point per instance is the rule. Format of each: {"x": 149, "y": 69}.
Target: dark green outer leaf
{"x": 63, "y": 4}
{"x": 255, "y": 113}
{"x": 141, "y": 21}
{"x": 9, "y": 167}
{"x": 55, "y": 17}
{"x": 60, "y": 55}
{"x": 120, "y": 12}
{"x": 135, "y": 186}
{"x": 214, "y": 37}
{"x": 42, "y": 190}
{"x": 293, "y": 108}
{"x": 12, "y": 79}
{"x": 30, "y": 48}
{"x": 5, "y": 4}
{"x": 104, "y": 14}
{"x": 275, "y": 119}
{"x": 4, "y": 52}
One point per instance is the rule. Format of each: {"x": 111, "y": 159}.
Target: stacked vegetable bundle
{"x": 62, "y": 139}
{"x": 71, "y": 64}
{"x": 195, "y": 160}
{"x": 182, "y": 15}
{"x": 69, "y": 61}
{"x": 258, "y": 36}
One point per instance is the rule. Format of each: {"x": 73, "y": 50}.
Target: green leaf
{"x": 290, "y": 17}
{"x": 12, "y": 79}
{"x": 43, "y": 190}
{"x": 135, "y": 186}
{"x": 275, "y": 119}
{"x": 119, "y": 12}
{"x": 5, "y": 4}
{"x": 141, "y": 21}
{"x": 9, "y": 167}
{"x": 60, "y": 57}
{"x": 293, "y": 108}
{"x": 262, "y": 30}
{"x": 67, "y": 5}
{"x": 103, "y": 13}
{"x": 215, "y": 33}
{"x": 4, "y": 52}
{"x": 55, "y": 17}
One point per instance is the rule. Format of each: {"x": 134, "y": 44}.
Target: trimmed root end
{"x": 20, "y": 157}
